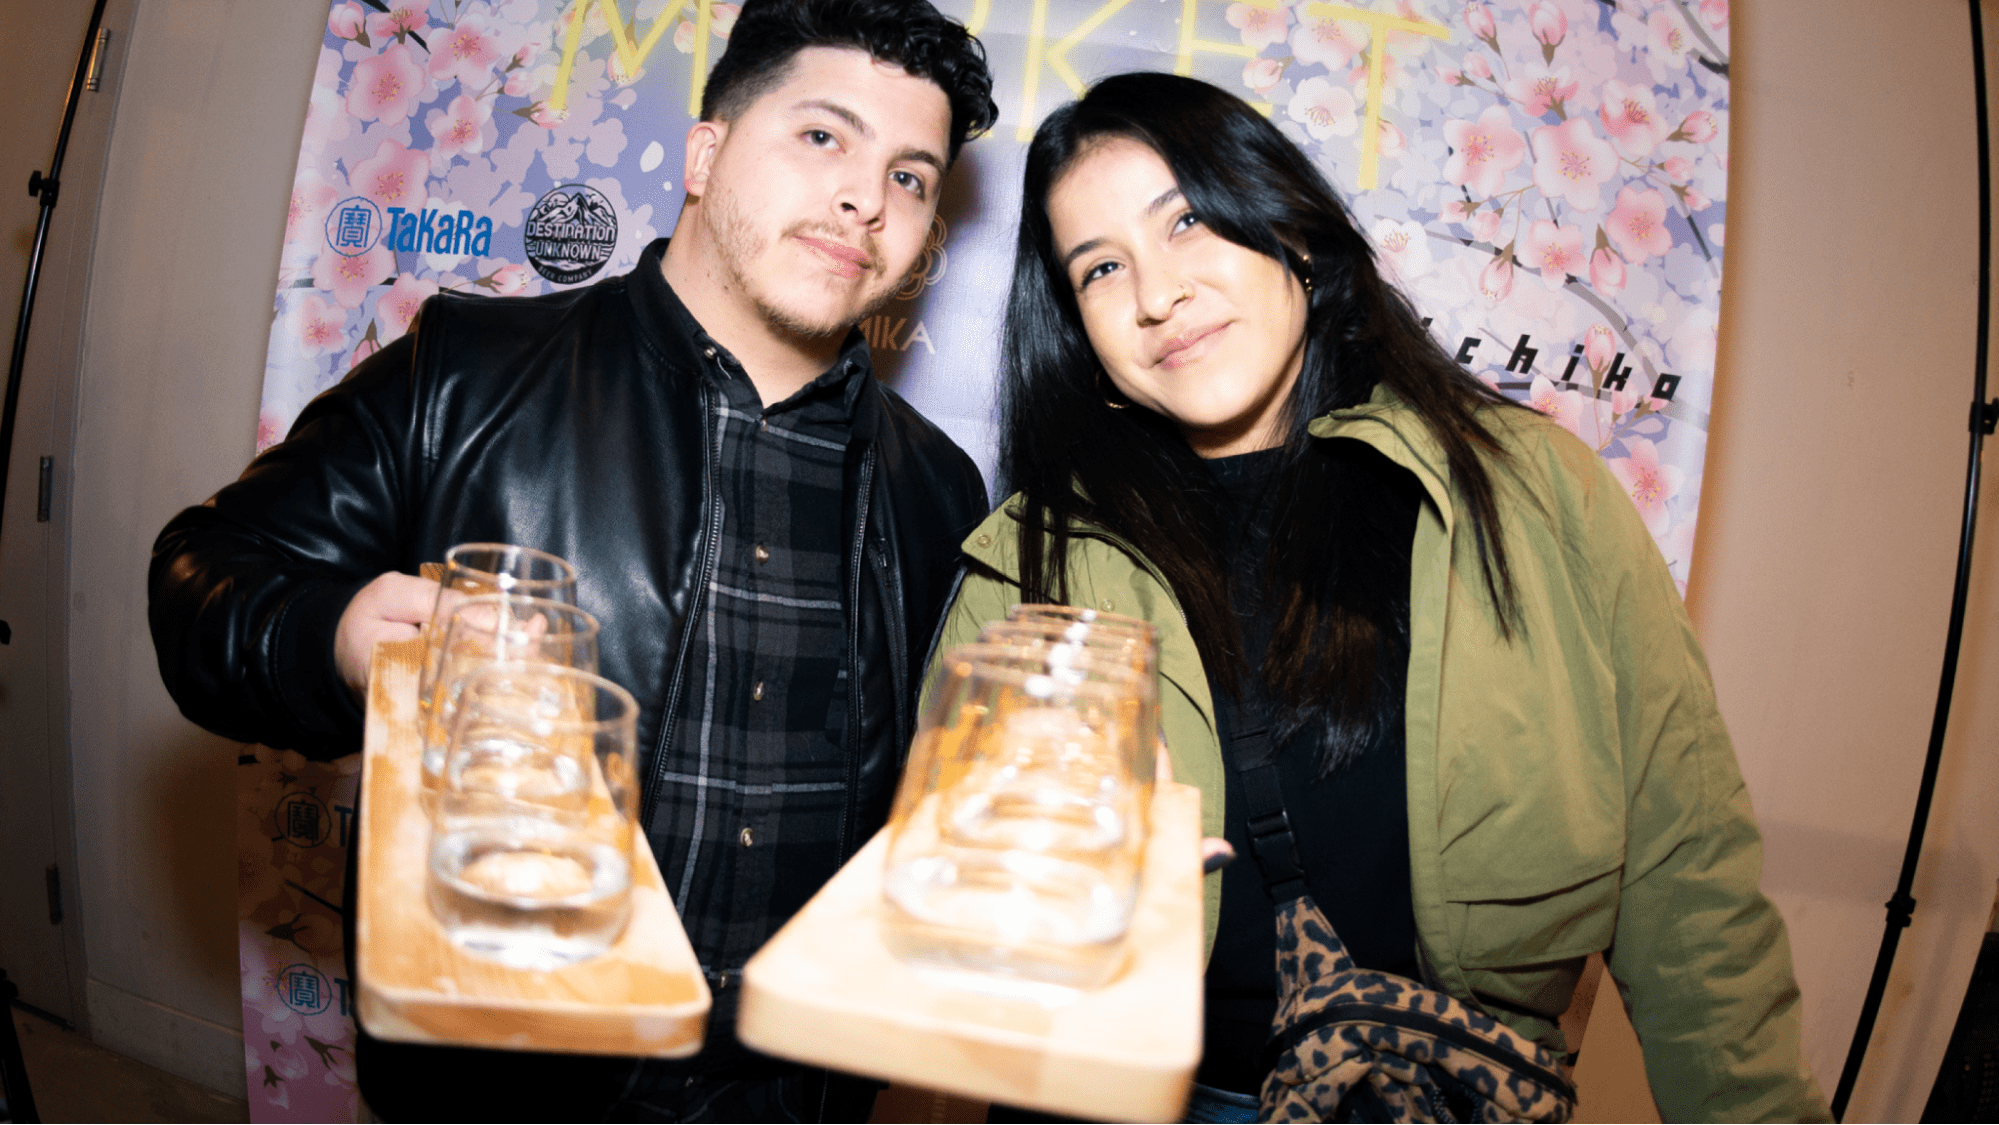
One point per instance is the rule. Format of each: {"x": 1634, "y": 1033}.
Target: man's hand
{"x": 1216, "y": 853}
{"x": 391, "y": 608}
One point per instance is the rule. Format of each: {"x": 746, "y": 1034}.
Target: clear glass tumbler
{"x": 1014, "y": 861}
{"x": 531, "y": 844}
{"x": 499, "y": 629}
{"x": 489, "y": 568}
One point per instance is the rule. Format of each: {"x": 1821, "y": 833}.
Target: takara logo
{"x": 570, "y": 233}
{"x": 354, "y": 226}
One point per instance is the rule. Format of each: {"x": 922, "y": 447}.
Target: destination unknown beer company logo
{"x": 570, "y": 233}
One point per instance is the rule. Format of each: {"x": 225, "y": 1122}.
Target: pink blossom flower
{"x": 1714, "y": 13}
{"x": 1452, "y": 76}
{"x": 1479, "y": 18}
{"x": 722, "y": 19}
{"x": 1649, "y": 483}
{"x": 1699, "y": 127}
{"x": 519, "y": 83}
{"x": 1537, "y": 88}
{"x": 1403, "y": 247}
{"x": 402, "y": 18}
{"x": 1457, "y": 210}
{"x": 1599, "y": 348}
{"x": 1677, "y": 167}
{"x": 683, "y": 36}
{"x": 509, "y": 279}
{"x": 1566, "y": 408}
{"x": 1483, "y": 151}
{"x": 393, "y": 177}
{"x": 311, "y": 196}
{"x": 1262, "y": 75}
{"x": 345, "y": 21}
{"x": 1324, "y": 109}
{"x": 547, "y": 116}
{"x": 367, "y": 347}
{"x": 1485, "y": 226}
{"x": 1495, "y": 281}
{"x": 395, "y": 309}
{"x": 1556, "y": 251}
{"x": 1259, "y": 27}
{"x": 1638, "y": 224}
{"x": 1571, "y": 163}
{"x": 1330, "y": 43}
{"x": 1549, "y": 24}
{"x": 1631, "y": 118}
{"x": 1477, "y": 67}
{"x": 385, "y": 86}
{"x": 460, "y": 128}
{"x": 1389, "y": 141}
{"x": 1670, "y": 42}
{"x": 321, "y": 326}
{"x": 348, "y": 278}
{"x": 1606, "y": 271}
{"x": 467, "y": 52}
{"x": 1696, "y": 201}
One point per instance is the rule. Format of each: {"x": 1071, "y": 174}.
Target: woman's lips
{"x": 845, "y": 260}
{"x": 1188, "y": 347}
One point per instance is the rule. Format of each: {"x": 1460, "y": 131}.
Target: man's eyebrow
{"x": 1152, "y": 208}
{"x": 860, "y": 125}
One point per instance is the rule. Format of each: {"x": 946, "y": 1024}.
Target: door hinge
{"x": 55, "y": 895}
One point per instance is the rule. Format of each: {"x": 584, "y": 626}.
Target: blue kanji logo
{"x": 303, "y": 989}
{"x": 354, "y": 226}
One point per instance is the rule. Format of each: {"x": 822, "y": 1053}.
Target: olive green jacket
{"x": 1571, "y": 791}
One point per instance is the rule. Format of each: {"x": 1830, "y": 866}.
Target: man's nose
{"x": 861, "y": 199}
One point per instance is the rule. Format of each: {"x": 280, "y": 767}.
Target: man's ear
{"x": 704, "y": 140}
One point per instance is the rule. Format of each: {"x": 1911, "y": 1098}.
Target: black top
{"x": 1352, "y": 827}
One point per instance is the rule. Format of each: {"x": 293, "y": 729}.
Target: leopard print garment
{"x": 1354, "y": 1045}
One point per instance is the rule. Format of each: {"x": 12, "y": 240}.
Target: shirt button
{"x": 747, "y": 837}
{"x": 762, "y": 553}
{"x": 1107, "y": 606}
{"x": 985, "y": 540}
{"x": 757, "y": 695}
{"x": 722, "y": 983}
{"x": 709, "y": 352}
{"x": 763, "y": 423}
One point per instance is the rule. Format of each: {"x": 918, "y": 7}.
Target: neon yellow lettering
{"x": 1379, "y": 24}
{"x": 632, "y": 56}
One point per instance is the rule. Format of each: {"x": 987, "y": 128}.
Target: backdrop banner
{"x": 1546, "y": 179}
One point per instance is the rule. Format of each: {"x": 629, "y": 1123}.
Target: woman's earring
{"x": 1106, "y": 392}
{"x": 1308, "y": 275}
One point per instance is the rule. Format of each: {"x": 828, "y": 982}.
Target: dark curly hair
{"x": 909, "y": 33}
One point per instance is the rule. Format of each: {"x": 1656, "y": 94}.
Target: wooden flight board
{"x": 827, "y": 991}
{"x": 645, "y": 996}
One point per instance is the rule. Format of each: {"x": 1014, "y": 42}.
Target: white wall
{"x": 192, "y": 214}
{"x": 1821, "y": 583}
{"x": 1828, "y": 535}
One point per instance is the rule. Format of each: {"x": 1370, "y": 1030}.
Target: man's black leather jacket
{"x": 574, "y": 423}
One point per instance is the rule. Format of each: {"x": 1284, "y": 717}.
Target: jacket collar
{"x": 1398, "y": 433}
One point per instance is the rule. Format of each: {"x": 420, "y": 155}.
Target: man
{"x": 766, "y": 533}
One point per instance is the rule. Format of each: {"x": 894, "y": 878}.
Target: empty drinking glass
{"x": 530, "y": 852}
{"x": 489, "y": 568}
{"x": 1014, "y": 862}
{"x": 499, "y": 629}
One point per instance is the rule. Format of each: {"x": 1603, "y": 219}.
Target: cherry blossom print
{"x": 1485, "y": 226}
{"x": 346, "y": 21}
{"x": 1565, "y": 407}
{"x": 311, "y": 196}
{"x": 349, "y": 278}
{"x": 1483, "y": 151}
{"x": 1328, "y": 42}
{"x": 403, "y": 18}
{"x": 1495, "y": 281}
{"x": 321, "y": 326}
{"x": 683, "y": 37}
{"x": 1259, "y": 26}
{"x": 1389, "y": 141}
{"x": 1477, "y": 67}
{"x": 368, "y": 346}
{"x": 1714, "y": 13}
{"x": 1262, "y": 75}
{"x": 1694, "y": 200}
{"x": 395, "y": 309}
{"x": 1606, "y": 271}
{"x": 508, "y": 280}
{"x": 1549, "y": 25}
{"x": 1632, "y": 119}
{"x": 387, "y": 86}
{"x": 1325, "y": 110}
{"x": 393, "y": 177}
{"x": 460, "y": 127}
{"x": 1699, "y": 127}
{"x": 1403, "y": 247}
{"x": 1638, "y": 224}
{"x": 1555, "y": 251}
{"x": 1599, "y": 349}
{"x": 1478, "y": 17}
{"x": 722, "y": 20}
{"x": 1671, "y": 42}
{"x": 467, "y": 53}
{"x": 1650, "y": 483}
{"x": 1538, "y": 89}
{"x": 1452, "y": 76}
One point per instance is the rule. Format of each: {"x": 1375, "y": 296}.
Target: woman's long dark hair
{"x": 1339, "y": 642}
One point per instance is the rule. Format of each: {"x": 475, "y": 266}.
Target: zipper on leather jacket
{"x": 865, "y": 496}
{"x": 697, "y": 604}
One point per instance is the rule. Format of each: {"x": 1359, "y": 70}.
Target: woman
{"x": 1495, "y": 733}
